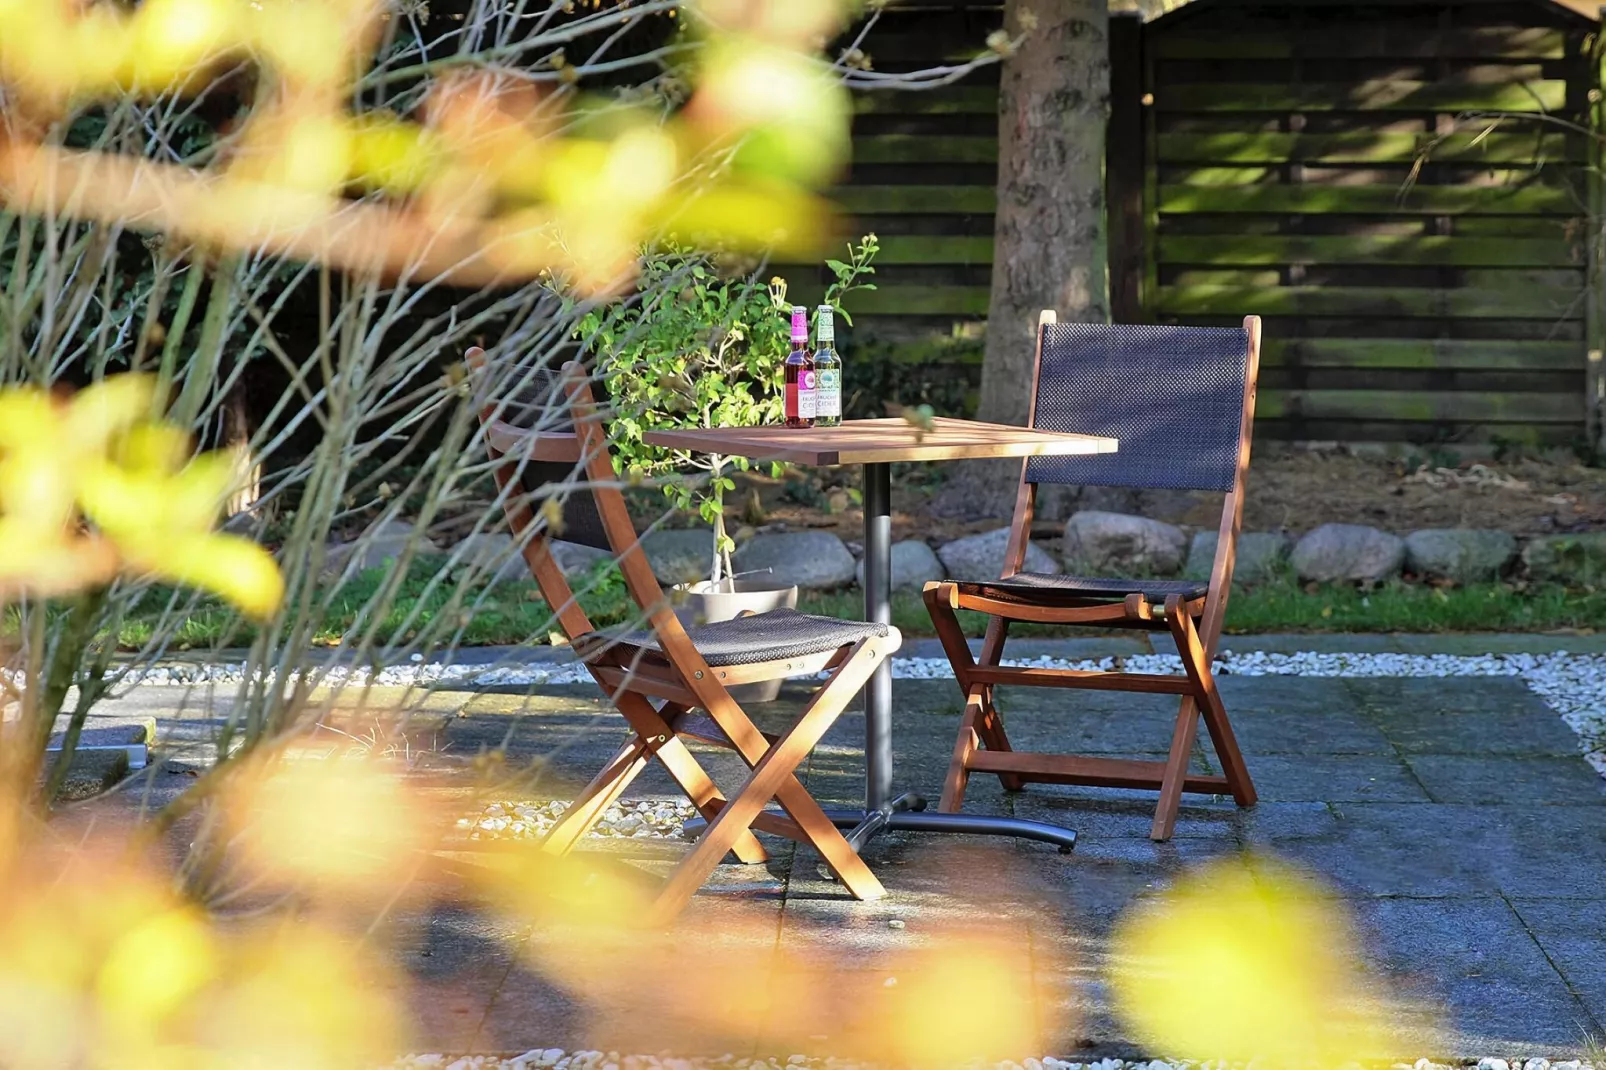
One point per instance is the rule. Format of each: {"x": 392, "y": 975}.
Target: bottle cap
{"x": 825, "y": 325}
{"x": 800, "y": 323}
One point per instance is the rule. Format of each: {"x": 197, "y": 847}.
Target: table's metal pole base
{"x": 908, "y": 814}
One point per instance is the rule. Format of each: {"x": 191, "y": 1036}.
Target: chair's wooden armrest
{"x": 513, "y": 442}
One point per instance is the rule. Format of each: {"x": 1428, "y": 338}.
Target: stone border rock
{"x": 1103, "y": 543}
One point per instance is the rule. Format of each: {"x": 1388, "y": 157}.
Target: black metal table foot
{"x": 908, "y": 814}
{"x": 984, "y": 825}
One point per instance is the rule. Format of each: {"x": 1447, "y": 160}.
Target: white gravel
{"x": 558, "y": 1059}
{"x": 637, "y": 819}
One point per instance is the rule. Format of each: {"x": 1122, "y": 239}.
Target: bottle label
{"x": 806, "y": 395}
{"x": 828, "y": 393}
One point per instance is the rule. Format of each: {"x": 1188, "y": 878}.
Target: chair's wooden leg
{"x": 991, "y": 728}
{"x": 988, "y": 725}
{"x": 604, "y": 789}
{"x": 774, "y": 777}
{"x": 768, "y": 776}
{"x": 949, "y": 633}
{"x": 651, "y": 724}
{"x": 1222, "y": 737}
{"x": 705, "y": 796}
{"x": 967, "y": 743}
{"x": 1176, "y": 770}
{"x": 839, "y": 856}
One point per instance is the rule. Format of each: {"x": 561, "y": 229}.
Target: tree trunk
{"x": 1048, "y": 234}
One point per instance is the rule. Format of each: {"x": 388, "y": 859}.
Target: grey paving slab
{"x": 1475, "y": 960}
{"x": 1109, "y": 813}
{"x": 1086, "y": 722}
{"x": 1573, "y": 937}
{"x": 1261, "y": 825}
{"x": 1299, "y": 716}
{"x": 1421, "y": 850}
{"x": 1334, "y": 778}
{"x": 457, "y": 960}
{"x": 1460, "y": 715}
{"x": 1461, "y": 778}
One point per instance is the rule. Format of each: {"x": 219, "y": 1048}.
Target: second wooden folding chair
{"x": 670, "y": 683}
{"x": 1180, "y": 401}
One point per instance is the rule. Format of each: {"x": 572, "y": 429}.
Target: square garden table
{"x": 876, "y": 444}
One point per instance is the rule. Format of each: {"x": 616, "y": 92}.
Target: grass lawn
{"x": 511, "y": 613}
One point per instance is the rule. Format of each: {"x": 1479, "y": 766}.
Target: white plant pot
{"x": 704, "y": 603}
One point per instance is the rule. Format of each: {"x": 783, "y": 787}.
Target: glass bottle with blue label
{"x": 827, "y": 371}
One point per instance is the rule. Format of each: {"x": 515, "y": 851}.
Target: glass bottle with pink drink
{"x": 799, "y": 397}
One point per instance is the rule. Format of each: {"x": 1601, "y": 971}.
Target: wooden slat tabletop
{"x": 880, "y": 442}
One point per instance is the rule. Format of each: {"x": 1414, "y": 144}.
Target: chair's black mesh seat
{"x": 773, "y": 636}
{"x": 1039, "y": 588}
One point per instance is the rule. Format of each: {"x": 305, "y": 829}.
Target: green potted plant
{"x": 708, "y": 353}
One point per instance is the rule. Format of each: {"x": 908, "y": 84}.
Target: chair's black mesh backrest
{"x": 581, "y": 521}
{"x": 1172, "y": 396}
{"x": 535, "y": 399}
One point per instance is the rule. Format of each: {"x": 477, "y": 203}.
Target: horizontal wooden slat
{"x": 1084, "y": 679}
{"x": 1099, "y": 772}
{"x": 1371, "y": 200}
{"x": 1420, "y": 406}
{"x": 1362, "y": 147}
{"x": 1365, "y": 42}
{"x": 1391, "y": 250}
{"x": 1219, "y": 176}
{"x": 1538, "y": 96}
{"x": 1437, "y": 354}
{"x": 949, "y": 100}
{"x": 921, "y": 148}
{"x": 957, "y": 301}
{"x": 1516, "y": 226}
{"x": 1366, "y": 301}
{"x": 908, "y": 200}
{"x": 935, "y": 249}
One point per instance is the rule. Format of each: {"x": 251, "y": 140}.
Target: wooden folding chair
{"x": 1180, "y": 401}
{"x": 671, "y": 683}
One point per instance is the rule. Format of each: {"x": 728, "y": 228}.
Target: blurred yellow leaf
{"x": 155, "y": 967}
{"x": 797, "y": 21}
{"x": 389, "y": 154}
{"x": 1246, "y": 960}
{"x": 302, "y": 996}
{"x": 232, "y": 567}
{"x": 102, "y": 453}
{"x": 105, "y": 409}
{"x": 309, "y": 44}
{"x": 970, "y": 998}
{"x": 338, "y": 823}
{"x": 173, "y": 39}
{"x": 152, "y": 448}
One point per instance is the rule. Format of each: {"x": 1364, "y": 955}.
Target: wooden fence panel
{"x": 1399, "y": 189}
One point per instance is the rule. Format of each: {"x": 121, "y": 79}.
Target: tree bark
{"x": 1049, "y": 231}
